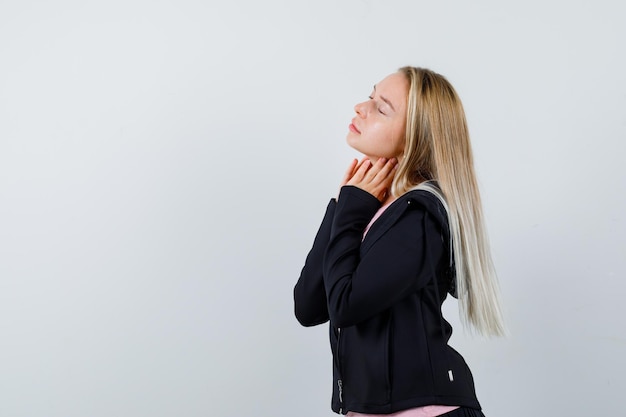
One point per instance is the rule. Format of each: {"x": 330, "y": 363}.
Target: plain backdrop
{"x": 164, "y": 166}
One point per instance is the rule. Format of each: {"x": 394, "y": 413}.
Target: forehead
{"x": 394, "y": 87}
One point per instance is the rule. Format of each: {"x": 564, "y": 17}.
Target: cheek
{"x": 397, "y": 136}
{"x": 388, "y": 139}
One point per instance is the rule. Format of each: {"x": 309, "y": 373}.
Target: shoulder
{"x": 423, "y": 203}
{"x": 427, "y": 201}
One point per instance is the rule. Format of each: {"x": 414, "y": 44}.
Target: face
{"x": 379, "y": 126}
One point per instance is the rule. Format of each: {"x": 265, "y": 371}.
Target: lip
{"x": 354, "y": 129}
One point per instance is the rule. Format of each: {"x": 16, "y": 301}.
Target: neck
{"x": 388, "y": 200}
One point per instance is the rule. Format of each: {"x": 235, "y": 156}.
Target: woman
{"x": 406, "y": 229}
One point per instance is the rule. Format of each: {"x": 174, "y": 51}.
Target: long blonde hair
{"x": 437, "y": 147}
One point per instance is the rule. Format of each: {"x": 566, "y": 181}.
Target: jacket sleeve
{"x": 309, "y": 294}
{"x": 358, "y": 286}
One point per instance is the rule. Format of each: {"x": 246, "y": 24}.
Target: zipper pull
{"x": 339, "y": 382}
{"x": 340, "y": 385}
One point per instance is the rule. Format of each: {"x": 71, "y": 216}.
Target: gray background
{"x": 164, "y": 166}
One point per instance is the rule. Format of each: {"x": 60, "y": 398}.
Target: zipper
{"x": 441, "y": 325}
{"x": 339, "y": 381}
{"x": 340, "y": 385}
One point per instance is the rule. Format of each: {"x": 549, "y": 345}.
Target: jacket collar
{"x": 416, "y": 198}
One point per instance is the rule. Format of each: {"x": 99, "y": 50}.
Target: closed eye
{"x": 378, "y": 108}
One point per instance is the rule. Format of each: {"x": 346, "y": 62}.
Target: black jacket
{"x": 388, "y": 337}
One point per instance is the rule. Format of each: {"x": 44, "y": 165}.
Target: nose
{"x": 360, "y": 109}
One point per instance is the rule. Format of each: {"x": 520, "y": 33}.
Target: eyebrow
{"x": 385, "y": 99}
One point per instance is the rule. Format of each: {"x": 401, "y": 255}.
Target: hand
{"x": 354, "y": 165}
{"x": 375, "y": 179}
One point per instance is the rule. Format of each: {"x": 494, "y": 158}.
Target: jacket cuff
{"x": 357, "y": 202}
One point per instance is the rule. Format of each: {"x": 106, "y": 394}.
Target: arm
{"x": 309, "y": 293}
{"x": 394, "y": 267}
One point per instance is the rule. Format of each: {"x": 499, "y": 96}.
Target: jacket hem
{"x": 396, "y": 406}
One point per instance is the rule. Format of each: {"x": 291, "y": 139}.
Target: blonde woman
{"x": 406, "y": 230}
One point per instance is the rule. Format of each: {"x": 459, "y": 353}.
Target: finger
{"x": 349, "y": 172}
{"x": 379, "y": 186}
{"x": 389, "y": 169}
{"x": 359, "y": 165}
{"x": 390, "y": 176}
{"x": 386, "y": 172}
{"x": 373, "y": 173}
{"x": 360, "y": 172}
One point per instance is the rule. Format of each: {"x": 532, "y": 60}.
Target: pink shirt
{"x": 425, "y": 411}
{"x": 376, "y": 216}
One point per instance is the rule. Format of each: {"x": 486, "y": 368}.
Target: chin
{"x": 352, "y": 142}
